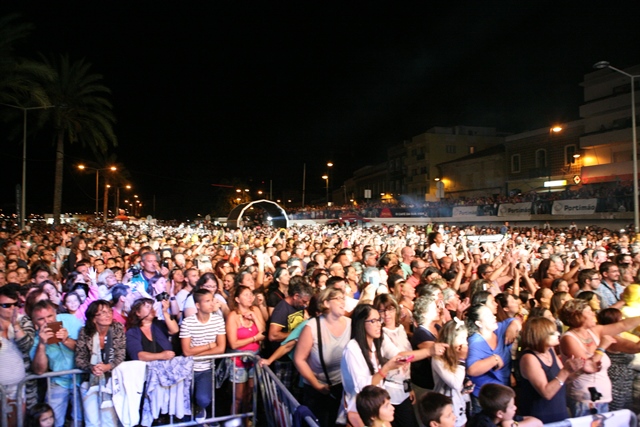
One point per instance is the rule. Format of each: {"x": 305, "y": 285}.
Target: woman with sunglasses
{"x": 368, "y": 358}
{"x": 100, "y": 348}
{"x": 318, "y": 354}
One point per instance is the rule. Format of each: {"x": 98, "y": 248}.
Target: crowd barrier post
{"x": 224, "y": 418}
{"x": 48, "y": 376}
{"x": 279, "y": 403}
{"x": 4, "y": 422}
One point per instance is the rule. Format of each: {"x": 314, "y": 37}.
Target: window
{"x": 515, "y": 163}
{"x": 569, "y": 152}
{"x": 541, "y": 158}
{"x": 451, "y": 149}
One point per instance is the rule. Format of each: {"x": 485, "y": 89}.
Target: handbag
{"x": 336, "y": 391}
{"x": 223, "y": 371}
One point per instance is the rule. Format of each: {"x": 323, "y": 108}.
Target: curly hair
{"x": 571, "y": 312}
{"x": 422, "y": 308}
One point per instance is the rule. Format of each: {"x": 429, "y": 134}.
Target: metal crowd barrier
{"x": 21, "y": 386}
{"x": 621, "y": 418}
{"x": 213, "y": 419}
{"x": 279, "y": 403}
{"x": 223, "y": 418}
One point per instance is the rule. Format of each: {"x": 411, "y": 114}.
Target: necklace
{"x": 586, "y": 341}
{"x": 243, "y": 322}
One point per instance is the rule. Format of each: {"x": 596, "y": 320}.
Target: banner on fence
{"x": 574, "y": 207}
{"x": 515, "y": 209}
{"x": 465, "y": 211}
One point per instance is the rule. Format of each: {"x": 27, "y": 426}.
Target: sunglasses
{"x": 8, "y": 304}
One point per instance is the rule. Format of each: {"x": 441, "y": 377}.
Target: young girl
{"x": 374, "y": 406}
{"x": 449, "y": 371}
{"x": 41, "y": 415}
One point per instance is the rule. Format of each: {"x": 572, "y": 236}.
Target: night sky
{"x": 212, "y": 92}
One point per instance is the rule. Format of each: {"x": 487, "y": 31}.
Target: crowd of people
{"x": 384, "y": 325}
{"x": 611, "y": 197}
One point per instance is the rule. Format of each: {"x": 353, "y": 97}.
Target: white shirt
{"x": 355, "y": 372}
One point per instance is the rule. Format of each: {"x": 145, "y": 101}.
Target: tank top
{"x": 530, "y": 401}
{"x": 578, "y": 389}
{"x": 243, "y": 333}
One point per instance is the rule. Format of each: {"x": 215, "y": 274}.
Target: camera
{"x": 595, "y": 394}
{"x": 134, "y": 271}
{"x": 162, "y": 296}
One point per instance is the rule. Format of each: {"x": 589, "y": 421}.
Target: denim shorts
{"x": 242, "y": 375}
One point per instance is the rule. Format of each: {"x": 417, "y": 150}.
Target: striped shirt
{"x": 202, "y": 334}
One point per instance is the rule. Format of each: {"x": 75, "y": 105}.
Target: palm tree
{"x": 84, "y": 114}
{"x": 20, "y": 78}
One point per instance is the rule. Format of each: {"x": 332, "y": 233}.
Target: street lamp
{"x": 111, "y": 168}
{"x": 636, "y": 210}
{"x": 326, "y": 178}
{"x": 547, "y": 157}
{"x": 128, "y": 187}
{"x": 23, "y": 192}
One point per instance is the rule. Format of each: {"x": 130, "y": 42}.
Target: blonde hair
{"x": 327, "y": 294}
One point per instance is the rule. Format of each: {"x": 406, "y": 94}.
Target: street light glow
{"x": 556, "y": 129}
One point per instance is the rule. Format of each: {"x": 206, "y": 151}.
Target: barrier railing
{"x": 213, "y": 419}
{"x": 48, "y": 376}
{"x": 279, "y": 403}
{"x": 623, "y": 417}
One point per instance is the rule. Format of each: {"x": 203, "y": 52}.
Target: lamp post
{"x": 326, "y": 178}
{"x": 112, "y": 168}
{"x": 547, "y": 157}
{"x": 636, "y": 210}
{"x": 128, "y": 187}
{"x": 23, "y": 192}
{"x": 330, "y": 175}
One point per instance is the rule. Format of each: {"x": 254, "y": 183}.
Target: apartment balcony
{"x": 606, "y": 137}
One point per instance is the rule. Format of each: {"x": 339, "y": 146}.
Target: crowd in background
{"x": 611, "y": 198}
{"x": 419, "y": 311}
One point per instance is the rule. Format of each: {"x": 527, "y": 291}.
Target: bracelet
{"x": 561, "y": 382}
{"x": 209, "y": 345}
{"x": 600, "y": 349}
{"x": 383, "y": 375}
{"x": 497, "y": 361}
{"x": 253, "y": 338}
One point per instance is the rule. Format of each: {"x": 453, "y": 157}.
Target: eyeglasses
{"x": 373, "y": 321}
{"x": 337, "y": 298}
{"x": 104, "y": 313}
{"x": 8, "y": 304}
{"x": 382, "y": 311}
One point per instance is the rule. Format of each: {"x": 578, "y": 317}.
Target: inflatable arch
{"x": 278, "y": 216}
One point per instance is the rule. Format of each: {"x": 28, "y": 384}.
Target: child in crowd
{"x": 374, "y": 406}
{"x": 436, "y": 410}
{"x": 499, "y": 409}
{"x": 41, "y": 415}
